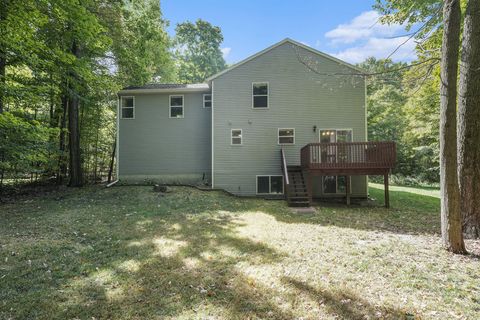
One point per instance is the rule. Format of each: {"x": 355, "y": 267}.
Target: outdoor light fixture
{"x": 314, "y": 128}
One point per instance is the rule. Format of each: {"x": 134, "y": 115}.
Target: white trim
{"x": 122, "y": 107}
{"x": 269, "y": 184}
{"x": 213, "y": 145}
{"x": 287, "y": 40}
{"x": 366, "y": 122}
{"x": 278, "y": 137}
{"x": 198, "y": 87}
{"x": 117, "y": 151}
{"x": 261, "y": 95}
{"x": 207, "y": 94}
{"x": 170, "y": 106}
{"x": 231, "y": 137}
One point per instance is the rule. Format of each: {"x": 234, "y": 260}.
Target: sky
{"x": 346, "y": 29}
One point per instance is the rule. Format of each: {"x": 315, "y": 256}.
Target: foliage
{"x": 25, "y": 146}
{"x": 140, "y": 43}
{"x": 198, "y": 51}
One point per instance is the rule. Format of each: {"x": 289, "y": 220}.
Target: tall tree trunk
{"x": 112, "y": 160}
{"x": 3, "y": 55}
{"x": 75, "y": 163}
{"x": 469, "y": 122}
{"x": 62, "y": 164}
{"x": 450, "y": 202}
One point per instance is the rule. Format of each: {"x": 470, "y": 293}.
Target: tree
{"x": 198, "y": 51}
{"x": 469, "y": 121}
{"x": 451, "y": 219}
{"x": 141, "y": 46}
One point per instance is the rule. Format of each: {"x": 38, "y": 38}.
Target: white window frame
{"x": 278, "y": 136}
{"x": 122, "y": 107}
{"x": 269, "y": 184}
{"x": 170, "y": 106}
{"x": 261, "y": 95}
{"x": 231, "y": 137}
{"x": 204, "y": 100}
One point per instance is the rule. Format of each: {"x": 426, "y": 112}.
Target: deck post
{"x": 347, "y": 189}
{"x": 387, "y": 195}
{"x": 310, "y": 186}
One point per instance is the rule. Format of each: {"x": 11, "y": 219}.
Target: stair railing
{"x": 286, "y": 181}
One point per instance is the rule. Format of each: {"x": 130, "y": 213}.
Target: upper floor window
{"x": 207, "y": 100}
{"x": 236, "y": 135}
{"x": 260, "y": 95}
{"x": 176, "y": 106}
{"x": 127, "y": 105}
{"x": 286, "y": 136}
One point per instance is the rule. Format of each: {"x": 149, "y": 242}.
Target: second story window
{"x": 236, "y": 137}
{"x": 176, "y": 106}
{"x": 127, "y": 105}
{"x": 286, "y": 136}
{"x": 260, "y": 95}
{"x": 207, "y": 100}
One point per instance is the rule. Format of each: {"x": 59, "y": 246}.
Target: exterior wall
{"x": 298, "y": 98}
{"x": 154, "y": 147}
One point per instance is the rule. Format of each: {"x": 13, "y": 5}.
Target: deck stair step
{"x": 297, "y": 193}
{"x": 297, "y": 189}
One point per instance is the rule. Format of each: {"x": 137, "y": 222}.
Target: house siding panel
{"x": 298, "y": 98}
{"x": 155, "y": 147}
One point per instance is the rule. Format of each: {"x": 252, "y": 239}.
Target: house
{"x": 287, "y": 120}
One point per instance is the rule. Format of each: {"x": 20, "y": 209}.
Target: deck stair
{"x": 295, "y": 184}
{"x": 297, "y": 188}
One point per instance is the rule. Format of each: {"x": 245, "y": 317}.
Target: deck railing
{"x": 349, "y": 155}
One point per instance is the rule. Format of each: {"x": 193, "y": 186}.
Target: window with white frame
{"x": 127, "y": 105}
{"x": 176, "y": 106}
{"x": 260, "y": 95}
{"x": 207, "y": 100}
{"x": 236, "y": 136}
{"x": 286, "y": 136}
{"x": 269, "y": 184}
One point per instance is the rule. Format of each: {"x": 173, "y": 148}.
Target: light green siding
{"x": 298, "y": 98}
{"x": 154, "y": 147}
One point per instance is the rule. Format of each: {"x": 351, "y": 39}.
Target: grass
{"x": 128, "y": 253}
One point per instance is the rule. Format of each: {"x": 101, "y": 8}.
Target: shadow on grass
{"x": 126, "y": 253}
{"x": 409, "y": 214}
{"x": 345, "y": 304}
{"x": 124, "y": 264}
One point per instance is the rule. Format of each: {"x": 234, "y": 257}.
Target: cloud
{"x": 364, "y": 36}
{"x": 379, "y": 48}
{"x": 226, "y": 52}
{"x": 363, "y": 26}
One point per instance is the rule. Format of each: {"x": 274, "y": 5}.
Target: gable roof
{"x": 287, "y": 40}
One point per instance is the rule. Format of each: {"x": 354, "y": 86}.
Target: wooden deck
{"x": 344, "y": 159}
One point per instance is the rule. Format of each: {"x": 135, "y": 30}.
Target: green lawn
{"x": 128, "y": 253}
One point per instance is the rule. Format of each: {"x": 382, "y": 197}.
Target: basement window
{"x": 207, "y": 100}
{"x": 286, "y": 136}
{"x": 260, "y": 95}
{"x": 236, "y": 135}
{"x": 127, "y": 105}
{"x": 176, "y": 106}
{"x": 269, "y": 184}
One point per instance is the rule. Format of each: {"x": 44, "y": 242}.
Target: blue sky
{"x": 347, "y": 29}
